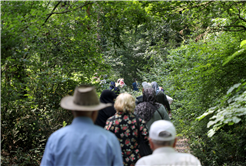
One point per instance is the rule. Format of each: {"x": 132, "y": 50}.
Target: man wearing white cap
{"x": 82, "y": 143}
{"x": 162, "y": 140}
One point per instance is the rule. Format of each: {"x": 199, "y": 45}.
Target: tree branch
{"x": 241, "y": 26}
{"x": 67, "y": 11}
{"x": 51, "y": 12}
{"x": 230, "y": 30}
{"x": 240, "y": 16}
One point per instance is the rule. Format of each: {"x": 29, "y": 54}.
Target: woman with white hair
{"x": 124, "y": 125}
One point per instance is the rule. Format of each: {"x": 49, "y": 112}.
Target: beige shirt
{"x": 167, "y": 156}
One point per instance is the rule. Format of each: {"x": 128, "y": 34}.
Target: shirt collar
{"x": 164, "y": 150}
{"x": 82, "y": 119}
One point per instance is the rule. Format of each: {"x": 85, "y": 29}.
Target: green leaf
{"x": 233, "y": 87}
{"x": 211, "y": 132}
{"x": 233, "y": 56}
{"x": 236, "y": 119}
{"x": 243, "y": 43}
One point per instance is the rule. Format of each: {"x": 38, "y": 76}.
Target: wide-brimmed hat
{"x": 84, "y": 99}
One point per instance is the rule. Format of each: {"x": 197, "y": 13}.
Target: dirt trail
{"x": 182, "y": 145}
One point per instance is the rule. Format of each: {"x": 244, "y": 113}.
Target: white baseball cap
{"x": 162, "y": 130}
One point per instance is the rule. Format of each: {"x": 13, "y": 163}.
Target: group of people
{"x": 115, "y": 87}
{"x": 107, "y": 132}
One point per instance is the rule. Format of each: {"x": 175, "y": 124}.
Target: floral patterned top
{"x": 124, "y": 126}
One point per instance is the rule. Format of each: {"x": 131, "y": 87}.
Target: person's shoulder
{"x": 144, "y": 160}
{"x": 190, "y": 157}
{"x": 187, "y": 155}
{"x": 139, "y": 105}
{"x": 111, "y": 118}
{"x": 161, "y": 107}
{"x": 139, "y": 97}
{"x": 102, "y": 132}
{"x": 59, "y": 133}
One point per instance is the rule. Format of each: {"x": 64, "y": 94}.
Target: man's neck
{"x": 157, "y": 147}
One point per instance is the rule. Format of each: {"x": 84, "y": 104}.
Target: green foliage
{"x": 230, "y": 110}
{"x": 201, "y": 16}
{"x": 49, "y": 47}
{"x": 227, "y": 147}
{"x": 195, "y": 77}
{"x": 240, "y": 52}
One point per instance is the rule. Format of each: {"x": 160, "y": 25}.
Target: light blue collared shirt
{"x": 82, "y": 143}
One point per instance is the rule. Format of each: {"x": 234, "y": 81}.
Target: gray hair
{"x": 163, "y": 143}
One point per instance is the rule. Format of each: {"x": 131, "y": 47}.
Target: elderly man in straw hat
{"x": 82, "y": 142}
{"x": 162, "y": 140}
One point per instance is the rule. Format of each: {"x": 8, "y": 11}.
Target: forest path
{"x": 182, "y": 145}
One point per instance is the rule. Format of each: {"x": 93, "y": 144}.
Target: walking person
{"x": 122, "y": 83}
{"x": 125, "y": 126}
{"x": 149, "y": 109}
{"x": 135, "y": 85}
{"x": 113, "y": 88}
{"x": 82, "y": 143}
{"x": 145, "y": 85}
{"x": 161, "y": 97}
{"x": 162, "y": 139}
{"x": 107, "y": 96}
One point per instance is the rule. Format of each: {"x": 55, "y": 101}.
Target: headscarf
{"x": 107, "y": 96}
{"x": 147, "y": 108}
{"x": 146, "y": 85}
{"x": 155, "y": 87}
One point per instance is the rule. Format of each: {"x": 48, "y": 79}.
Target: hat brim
{"x": 67, "y": 103}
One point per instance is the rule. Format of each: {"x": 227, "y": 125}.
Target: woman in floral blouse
{"x": 124, "y": 125}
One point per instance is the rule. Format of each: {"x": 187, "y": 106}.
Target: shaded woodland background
{"x": 194, "y": 50}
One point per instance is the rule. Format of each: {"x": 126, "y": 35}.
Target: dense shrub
{"x": 198, "y": 79}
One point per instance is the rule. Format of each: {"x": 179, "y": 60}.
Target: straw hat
{"x": 83, "y": 99}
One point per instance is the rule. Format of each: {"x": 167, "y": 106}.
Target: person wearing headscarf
{"x": 144, "y": 86}
{"x": 160, "y": 96}
{"x": 107, "y": 96}
{"x": 155, "y": 87}
{"x": 149, "y": 110}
